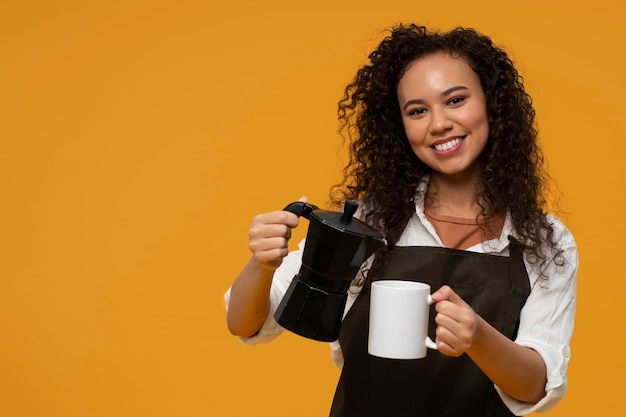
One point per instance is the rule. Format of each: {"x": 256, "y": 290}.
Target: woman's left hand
{"x": 456, "y": 322}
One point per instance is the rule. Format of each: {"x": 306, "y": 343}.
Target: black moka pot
{"x": 336, "y": 246}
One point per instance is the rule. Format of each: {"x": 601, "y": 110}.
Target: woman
{"x": 445, "y": 161}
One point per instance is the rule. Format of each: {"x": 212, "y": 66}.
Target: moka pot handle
{"x": 301, "y": 209}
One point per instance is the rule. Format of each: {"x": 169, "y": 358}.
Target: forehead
{"x": 438, "y": 71}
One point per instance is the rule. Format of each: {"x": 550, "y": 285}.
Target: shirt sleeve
{"x": 283, "y": 276}
{"x": 547, "y": 322}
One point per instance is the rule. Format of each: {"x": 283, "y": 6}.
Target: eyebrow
{"x": 444, "y": 93}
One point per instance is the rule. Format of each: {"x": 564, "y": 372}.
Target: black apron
{"x": 496, "y": 287}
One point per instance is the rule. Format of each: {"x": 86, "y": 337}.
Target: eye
{"x": 416, "y": 111}
{"x": 455, "y": 101}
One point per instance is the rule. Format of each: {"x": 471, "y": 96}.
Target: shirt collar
{"x": 495, "y": 245}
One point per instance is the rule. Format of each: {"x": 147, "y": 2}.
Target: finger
{"x": 459, "y": 323}
{"x": 446, "y": 293}
{"x": 448, "y": 323}
{"x": 457, "y": 314}
{"x": 271, "y": 257}
{"x": 451, "y": 325}
{"x": 447, "y": 349}
{"x": 268, "y": 244}
{"x": 446, "y": 308}
{"x": 445, "y": 342}
{"x": 442, "y": 293}
{"x": 276, "y": 217}
{"x": 289, "y": 219}
{"x": 266, "y": 231}
{"x": 445, "y": 337}
{"x": 449, "y": 343}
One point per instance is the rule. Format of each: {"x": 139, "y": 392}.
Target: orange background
{"x": 138, "y": 139}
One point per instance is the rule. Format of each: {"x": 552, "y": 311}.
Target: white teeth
{"x": 448, "y": 145}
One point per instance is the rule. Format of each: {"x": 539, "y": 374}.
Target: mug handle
{"x": 428, "y": 342}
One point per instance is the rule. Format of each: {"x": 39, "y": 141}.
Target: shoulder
{"x": 561, "y": 235}
{"x": 560, "y": 264}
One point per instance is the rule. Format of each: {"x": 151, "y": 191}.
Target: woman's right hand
{"x": 269, "y": 237}
{"x": 248, "y": 306}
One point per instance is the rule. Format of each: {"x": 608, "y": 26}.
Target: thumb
{"x": 304, "y": 199}
{"x": 443, "y": 293}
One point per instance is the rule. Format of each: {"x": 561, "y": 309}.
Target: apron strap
{"x": 520, "y": 288}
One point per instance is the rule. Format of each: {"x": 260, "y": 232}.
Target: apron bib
{"x": 496, "y": 288}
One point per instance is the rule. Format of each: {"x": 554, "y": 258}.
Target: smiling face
{"x": 444, "y": 112}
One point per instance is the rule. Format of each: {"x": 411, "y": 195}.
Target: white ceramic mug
{"x": 398, "y": 327}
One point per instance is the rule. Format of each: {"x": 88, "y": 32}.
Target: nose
{"x": 439, "y": 121}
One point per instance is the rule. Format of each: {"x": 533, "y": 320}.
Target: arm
{"x": 545, "y": 332}
{"x": 547, "y": 325}
{"x": 517, "y": 370}
{"x": 249, "y": 295}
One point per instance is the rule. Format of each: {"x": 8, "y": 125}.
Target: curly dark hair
{"x": 384, "y": 172}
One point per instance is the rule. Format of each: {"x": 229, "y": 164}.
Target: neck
{"x": 455, "y": 196}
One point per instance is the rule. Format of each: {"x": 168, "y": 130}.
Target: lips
{"x": 449, "y": 143}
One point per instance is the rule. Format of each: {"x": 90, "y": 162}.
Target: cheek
{"x": 415, "y": 132}
{"x": 478, "y": 121}
{"x": 482, "y": 127}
